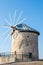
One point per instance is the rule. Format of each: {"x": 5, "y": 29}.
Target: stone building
{"x": 24, "y": 45}
{"x": 25, "y": 41}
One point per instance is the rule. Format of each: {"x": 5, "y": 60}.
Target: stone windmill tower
{"x": 25, "y": 40}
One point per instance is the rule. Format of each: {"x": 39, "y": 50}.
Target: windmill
{"x": 24, "y": 38}
{"x": 10, "y": 26}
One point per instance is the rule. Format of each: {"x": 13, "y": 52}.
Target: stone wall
{"x": 7, "y": 59}
{"x": 25, "y": 42}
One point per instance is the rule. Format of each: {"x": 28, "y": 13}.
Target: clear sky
{"x": 33, "y": 10}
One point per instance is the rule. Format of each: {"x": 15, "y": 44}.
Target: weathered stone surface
{"x": 25, "y": 42}
{"x": 22, "y": 43}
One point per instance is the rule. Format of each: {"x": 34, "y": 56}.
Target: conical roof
{"x": 25, "y": 28}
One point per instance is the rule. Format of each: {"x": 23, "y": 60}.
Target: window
{"x": 27, "y": 36}
{"x": 30, "y": 55}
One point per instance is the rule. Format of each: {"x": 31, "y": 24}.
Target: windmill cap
{"x": 25, "y": 28}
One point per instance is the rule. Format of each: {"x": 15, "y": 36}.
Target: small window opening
{"x": 30, "y": 55}
{"x": 28, "y": 36}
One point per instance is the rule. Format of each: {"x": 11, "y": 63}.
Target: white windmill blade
{"x": 6, "y": 37}
{"x": 22, "y": 20}
{"x": 4, "y": 33}
{"x": 5, "y": 26}
{"x": 7, "y": 22}
{"x": 10, "y": 18}
{"x": 19, "y": 17}
{"x": 14, "y": 16}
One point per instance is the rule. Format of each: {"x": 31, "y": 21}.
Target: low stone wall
{"x": 7, "y": 59}
{"x": 11, "y": 58}
{"x": 14, "y": 58}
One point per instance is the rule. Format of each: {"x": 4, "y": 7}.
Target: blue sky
{"x": 33, "y": 10}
